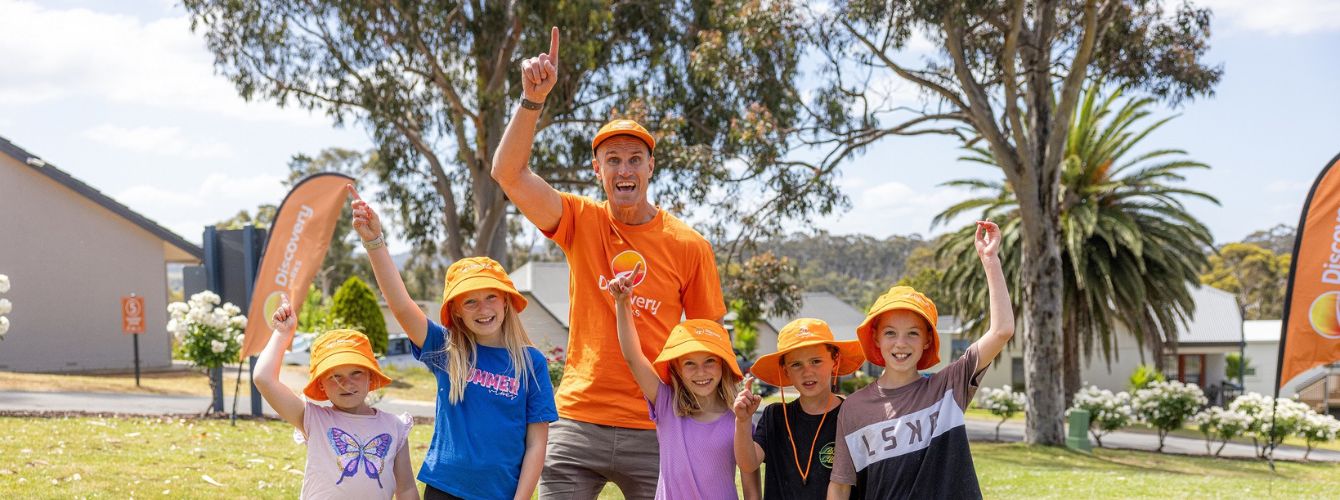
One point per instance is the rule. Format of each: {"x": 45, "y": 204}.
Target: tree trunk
{"x": 1042, "y": 288}
{"x": 1098, "y": 438}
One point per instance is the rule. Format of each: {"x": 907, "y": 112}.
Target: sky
{"x": 123, "y": 96}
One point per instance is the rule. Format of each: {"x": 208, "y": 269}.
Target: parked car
{"x": 398, "y": 353}
{"x": 300, "y": 352}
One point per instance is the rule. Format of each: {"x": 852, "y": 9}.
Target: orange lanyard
{"x": 809, "y": 462}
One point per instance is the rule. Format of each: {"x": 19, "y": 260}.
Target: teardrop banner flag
{"x": 1310, "y": 332}
{"x": 296, "y": 245}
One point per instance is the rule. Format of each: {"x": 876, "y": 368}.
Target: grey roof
{"x": 1262, "y": 330}
{"x": 1217, "y": 319}
{"x": 547, "y": 284}
{"x": 41, "y": 166}
{"x": 841, "y": 317}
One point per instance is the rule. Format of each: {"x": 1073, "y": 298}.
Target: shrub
{"x": 1218, "y": 424}
{"x": 1143, "y": 376}
{"x": 1003, "y": 403}
{"x": 1107, "y": 411}
{"x": 1317, "y": 428}
{"x": 356, "y": 307}
{"x": 1167, "y": 405}
{"x": 856, "y": 382}
{"x": 556, "y": 363}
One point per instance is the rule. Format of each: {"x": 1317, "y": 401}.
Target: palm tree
{"x": 1131, "y": 251}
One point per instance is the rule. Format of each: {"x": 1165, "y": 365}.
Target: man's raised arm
{"x": 536, "y": 199}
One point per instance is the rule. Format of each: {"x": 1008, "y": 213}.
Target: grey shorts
{"x": 581, "y": 457}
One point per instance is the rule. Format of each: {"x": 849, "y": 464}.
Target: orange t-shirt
{"x": 679, "y": 279}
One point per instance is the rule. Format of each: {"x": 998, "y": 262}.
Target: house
{"x": 1262, "y": 352}
{"x": 71, "y": 253}
{"x": 1214, "y": 331}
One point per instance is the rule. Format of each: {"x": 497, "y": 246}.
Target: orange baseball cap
{"x": 337, "y": 348}
{"x": 623, "y": 127}
{"x": 477, "y": 273}
{"x": 906, "y": 298}
{"x": 801, "y": 333}
{"x": 695, "y": 335}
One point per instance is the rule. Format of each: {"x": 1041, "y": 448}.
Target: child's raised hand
{"x": 619, "y": 287}
{"x": 987, "y": 239}
{"x": 622, "y": 284}
{"x": 284, "y": 320}
{"x": 746, "y": 403}
{"x": 366, "y": 223}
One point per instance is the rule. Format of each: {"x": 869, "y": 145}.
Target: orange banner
{"x": 1310, "y": 335}
{"x": 298, "y": 240}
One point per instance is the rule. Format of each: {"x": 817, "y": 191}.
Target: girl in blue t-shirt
{"x": 494, "y": 398}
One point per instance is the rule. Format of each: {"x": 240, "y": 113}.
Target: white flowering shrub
{"x": 1003, "y": 403}
{"x": 210, "y": 335}
{"x": 1108, "y": 411}
{"x": 1317, "y": 428}
{"x": 1167, "y": 405}
{"x": 1267, "y": 430}
{"x": 1218, "y": 424}
{"x": 5, "y": 306}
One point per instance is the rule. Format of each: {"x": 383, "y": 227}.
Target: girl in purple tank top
{"x": 689, "y": 388}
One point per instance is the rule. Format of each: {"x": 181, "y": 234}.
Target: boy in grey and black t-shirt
{"x": 903, "y": 436}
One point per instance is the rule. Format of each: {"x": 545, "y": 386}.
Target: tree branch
{"x": 940, "y": 89}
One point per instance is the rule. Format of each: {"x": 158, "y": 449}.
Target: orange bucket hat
{"x": 622, "y": 127}
{"x": 695, "y": 335}
{"x": 477, "y": 273}
{"x": 337, "y": 348}
{"x": 904, "y": 298}
{"x": 801, "y": 333}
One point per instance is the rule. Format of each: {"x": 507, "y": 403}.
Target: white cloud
{"x": 1278, "y": 17}
{"x": 187, "y": 210}
{"x": 167, "y": 141}
{"x": 53, "y": 54}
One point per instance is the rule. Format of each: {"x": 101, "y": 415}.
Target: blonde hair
{"x": 459, "y": 354}
{"x": 686, "y": 403}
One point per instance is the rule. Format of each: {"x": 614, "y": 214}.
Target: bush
{"x": 1267, "y": 430}
{"x": 1143, "y": 376}
{"x": 1107, "y": 411}
{"x": 856, "y": 382}
{"x": 1317, "y": 428}
{"x": 556, "y": 363}
{"x": 1003, "y": 403}
{"x": 356, "y": 307}
{"x": 1218, "y": 424}
{"x": 208, "y": 335}
{"x": 1167, "y": 405}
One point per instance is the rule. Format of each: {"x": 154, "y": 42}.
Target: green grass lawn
{"x": 174, "y": 458}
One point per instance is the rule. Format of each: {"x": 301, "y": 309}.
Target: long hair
{"x": 686, "y": 403}
{"x": 461, "y": 349}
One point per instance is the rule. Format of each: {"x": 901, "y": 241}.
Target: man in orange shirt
{"x": 604, "y": 432}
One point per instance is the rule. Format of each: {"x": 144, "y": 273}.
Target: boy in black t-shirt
{"x": 796, "y": 439}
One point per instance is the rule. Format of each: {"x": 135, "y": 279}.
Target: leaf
{"x": 210, "y": 480}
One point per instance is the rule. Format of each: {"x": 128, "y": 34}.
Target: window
{"x": 958, "y": 347}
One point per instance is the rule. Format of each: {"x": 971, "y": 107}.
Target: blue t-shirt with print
{"x": 479, "y": 442}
